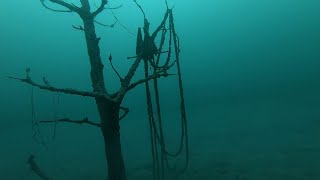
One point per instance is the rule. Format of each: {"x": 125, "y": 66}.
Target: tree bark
{"x": 109, "y": 114}
{"x": 108, "y": 110}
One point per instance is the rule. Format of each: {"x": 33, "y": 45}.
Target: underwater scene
{"x": 160, "y": 90}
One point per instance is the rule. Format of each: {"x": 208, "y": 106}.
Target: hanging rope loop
{"x": 160, "y": 153}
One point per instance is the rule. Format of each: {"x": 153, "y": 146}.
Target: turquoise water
{"x": 251, "y": 81}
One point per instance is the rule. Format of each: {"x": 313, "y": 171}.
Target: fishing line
{"x": 37, "y": 136}
{"x": 56, "y": 103}
{"x": 123, "y": 26}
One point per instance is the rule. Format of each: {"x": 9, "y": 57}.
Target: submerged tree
{"x": 109, "y": 104}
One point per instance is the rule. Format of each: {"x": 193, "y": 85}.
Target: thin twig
{"x": 78, "y": 28}
{"x": 144, "y": 15}
{"x": 158, "y": 75}
{"x": 115, "y": 17}
{"x": 83, "y": 121}
{"x": 123, "y": 26}
{"x": 106, "y": 25}
{"x": 117, "y": 7}
{"x": 100, "y": 8}
{"x": 71, "y": 7}
{"x": 36, "y": 169}
{"x": 167, "y": 4}
{"x": 132, "y": 57}
{"x": 114, "y": 69}
{"x": 154, "y": 34}
{"x": 111, "y": 8}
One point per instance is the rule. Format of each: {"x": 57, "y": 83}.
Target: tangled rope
{"x": 160, "y": 154}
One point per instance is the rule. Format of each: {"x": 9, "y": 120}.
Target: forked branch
{"x": 126, "y": 81}
{"x": 100, "y": 8}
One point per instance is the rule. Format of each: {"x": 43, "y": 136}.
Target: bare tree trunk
{"x": 110, "y": 128}
{"x": 108, "y": 111}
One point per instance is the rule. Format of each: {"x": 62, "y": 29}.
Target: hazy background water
{"x": 251, "y": 78}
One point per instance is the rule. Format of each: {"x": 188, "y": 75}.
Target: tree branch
{"x": 100, "y": 8}
{"x": 167, "y": 4}
{"x": 114, "y": 69}
{"x": 126, "y": 81}
{"x": 83, "y": 121}
{"x": 71, "y": 7}
{"x": 66, "y": 90}
{"x": 139, "y": 6}
{"x": 133, "y": 57}
{"x": 158, "y": 75}
{"x": 51, "y": 9}
{"x": 106, "y": 25}
{"x": 111, "y": 8}
{"x": 80, "y": 28}
{"x": 117, "y": 7}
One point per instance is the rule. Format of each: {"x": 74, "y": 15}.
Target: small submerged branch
{"x": 139, "y": 6}
{"x": 78, "y": 28}
{"x": 106, "y": 25}
{"x": 71, "y": 7}
{"x": 152, "y": 77}
{"x": 36, "y": 169}
{"x": 111, "y": 8}
{"x": 114, "y": 69}
{"x": 67, "y": 120}
{"x": 100, "y": 8}
{"x": 51, "y": 9}
{"x": 133, "y": 57}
